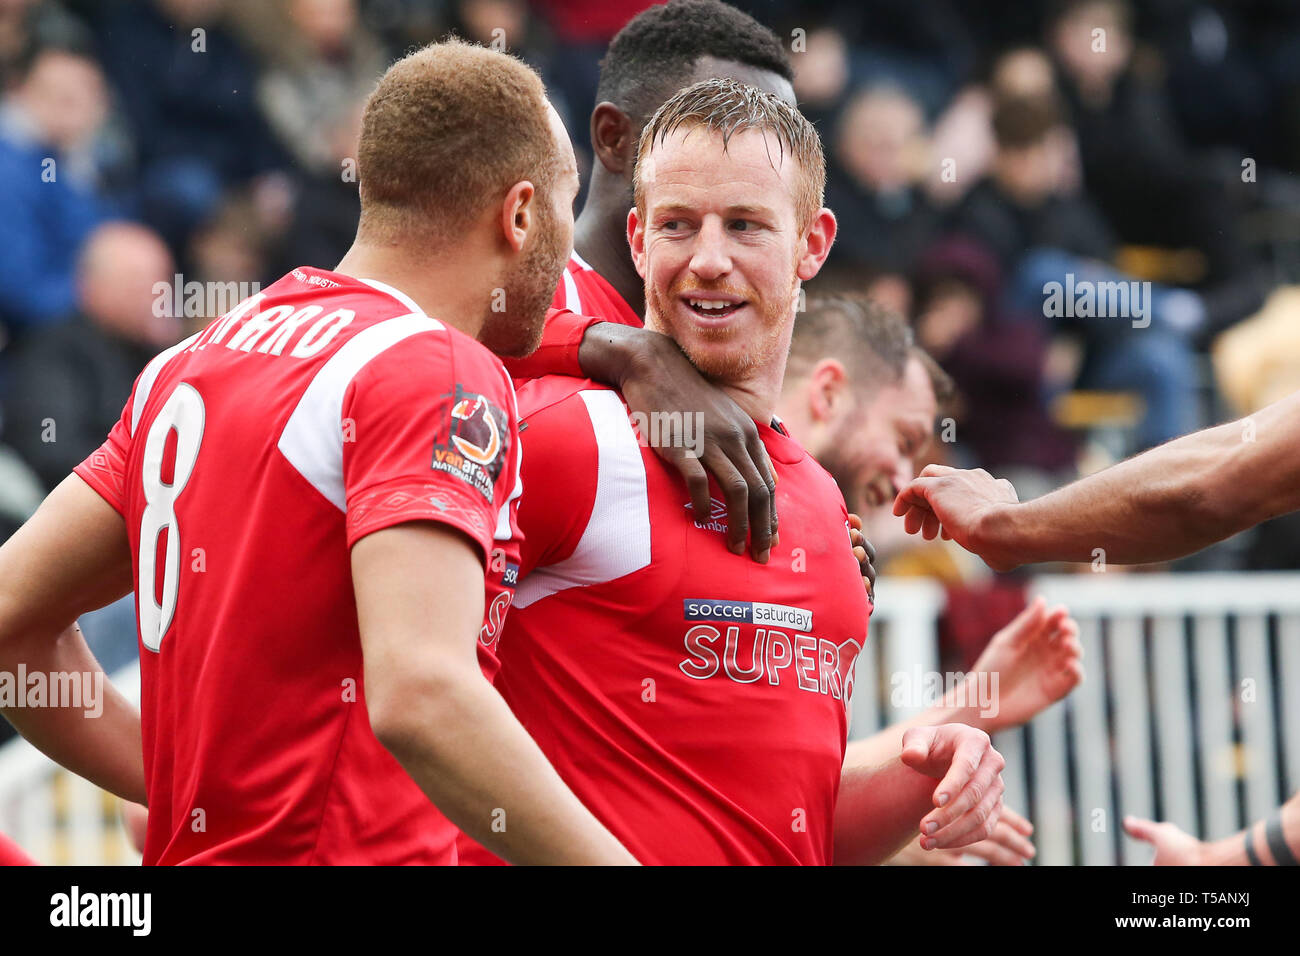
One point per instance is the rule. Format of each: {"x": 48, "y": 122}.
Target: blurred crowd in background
{"x": 979, "y": 150}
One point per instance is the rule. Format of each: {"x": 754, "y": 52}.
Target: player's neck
{"x": 442, "y": 285}
{"x": 600, "y": 237}
{"x": 757, "y": 396}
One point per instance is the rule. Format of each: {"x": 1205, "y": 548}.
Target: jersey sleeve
{"x": 104, "y": 469}
{"x": 430, "y": 432}
{"x": 558, "y": 352}
{"x": 560, "y": 471}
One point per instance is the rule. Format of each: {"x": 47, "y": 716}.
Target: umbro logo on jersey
{"x": 717, "y": 516}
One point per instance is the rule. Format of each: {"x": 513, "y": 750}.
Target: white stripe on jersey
{"x": 572, "y": 301}
{"x": 616, "y": 540}
{"x": 397, "y": 294}
{"x": 150, "y": 375}
{"x": 312, "y": 440}
{"x": 503, "y": 530}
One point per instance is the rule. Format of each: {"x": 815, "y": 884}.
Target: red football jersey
{"x": 247, "y": 462}
{"x": 582, "y": 298}
{"x": 696, "y": 701}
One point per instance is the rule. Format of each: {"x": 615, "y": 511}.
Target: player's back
{"x": 251, "y": 457}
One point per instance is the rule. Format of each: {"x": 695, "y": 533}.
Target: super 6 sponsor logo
{"x": 762, "y": 641}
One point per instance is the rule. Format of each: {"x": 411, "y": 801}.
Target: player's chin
{"x": 720, "y": 357}
{"x": 518, "y": 340}
{"x": 723, "y": 367}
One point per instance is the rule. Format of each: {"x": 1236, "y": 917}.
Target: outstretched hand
{"x": 968, "y": 799}
{"x": 1038, "y": 660}
{"x": 1173, "y": 846}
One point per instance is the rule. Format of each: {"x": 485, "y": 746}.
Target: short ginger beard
{"x": 736, "y": 363}
{"x": 528, "y": 291}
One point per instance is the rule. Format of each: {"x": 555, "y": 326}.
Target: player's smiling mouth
{"x": 713, "y": 305}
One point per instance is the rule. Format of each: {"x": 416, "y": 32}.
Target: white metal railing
{"x": 1190, "y": 712}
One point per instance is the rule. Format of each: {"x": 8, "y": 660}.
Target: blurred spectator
{"x": 231, "y": 246}
{"x": 879, "y": 158}
{"x": 922, "y": 45}
{"x": 1027, "y": 200}
{"x": 962, "y": 143}
{"x": 582, "y": 30}
{"x": 1152, "y": 189}
{"x": 48, "y": 205}
{"x": 1042, "y": 231}
{"x": 27, "y": 25}
{"x": 323, "y": 222}
{"x": 188, "y": 91}
{"x": 998, "y": 361}
{"x": 325, "y": 59}
{"x": 822, "y": 73}
{"x": 70, "y": 381}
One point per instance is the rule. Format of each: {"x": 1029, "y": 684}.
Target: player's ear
{"x": 636, "y": 240}
{"x": 612, "y": 139}
{"x": 517, "y": 214}
{"x": 828, "y": 389}
{"x": 817, "y": 244}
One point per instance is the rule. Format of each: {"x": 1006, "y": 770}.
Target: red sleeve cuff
{"x": 103, "y": 485}
{"x": 558, "y": 352}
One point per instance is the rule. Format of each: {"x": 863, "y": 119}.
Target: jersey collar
{"x": 778, "y": 442}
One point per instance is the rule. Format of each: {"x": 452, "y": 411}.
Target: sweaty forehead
{"x": 692, "y": 159}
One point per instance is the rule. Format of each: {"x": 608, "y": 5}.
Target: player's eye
{"x": 743, "y": 225}
{"x": 672, "y": 225}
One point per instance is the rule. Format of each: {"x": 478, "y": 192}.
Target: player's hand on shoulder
{"x": 968, "y": 798}
{"x": 709, "y": 435}
{"x": 955, "y": 504}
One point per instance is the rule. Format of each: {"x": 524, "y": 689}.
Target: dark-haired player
{"x": 314, "y": 499}
{"x": 599, "y": 334}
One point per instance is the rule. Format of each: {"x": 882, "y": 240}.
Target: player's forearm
{"x": 878, "y": 810}
{"x": 96, "y": 733}
{"x": 458, "y": 740}
{"x": 1165, "y": 503}
{"x": 609, "y": 350}
{"x": 885, "y": 744}
{"x": 1284, "y": 827}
